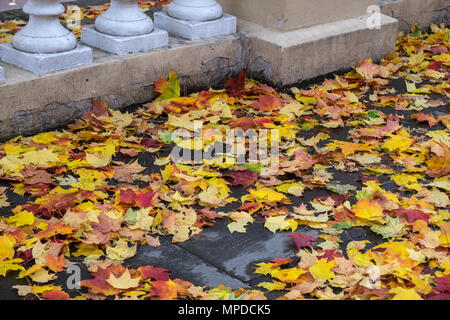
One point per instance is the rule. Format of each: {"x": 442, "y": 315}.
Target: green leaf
{"x": 165, "y": 136}
{"x": 130, "y": 216}
{"x": 342, "y": 226}
{"x": 169, "y": 89}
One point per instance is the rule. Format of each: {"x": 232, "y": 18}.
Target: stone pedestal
{"x": 195, "y": 19}
{"x": 2, "y": 74}
{"x": 42, "y": 63}
{"x": 194, "y": 30}
{"x": 44, "y": 45}
{"x": 124, "y": 28}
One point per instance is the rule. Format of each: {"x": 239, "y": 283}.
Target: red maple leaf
{"x": 280, "y": 262}
{"x": 237, "y": 86}
{"x": 144, "y": 200}
{"x": 329, "y": 254}
{"x": 244, "y": 178}
{"x": 106, "y": 224}
{"x": 422, "y": 117}
{"x": 99, "y": 108}
{"x": 413, "y": 214}
{"x": 435, "y": 65}
{"x": 157, "y": 274}
{"x": 249, "y": 123}
{"x": 127, "y": 196}
{"x": 267, "y": 104}
{"x": 55, "y": 229}
{"x": 98, "y": 285}
{"x": 56, "y": 264}
{"x": 443, "y": 283}
{"x": 302, "y": 240}
{"x": 163, "y": 290}
{"x": 56, "y": 295}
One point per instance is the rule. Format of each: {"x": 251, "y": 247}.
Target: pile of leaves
{"x": 75, "y": 18}
{"x": 87, "y": 199}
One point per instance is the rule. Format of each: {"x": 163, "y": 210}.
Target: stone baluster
{"x": 44, "y": 45}
{"x": 195, "y": 10}
{"x": 124, "y": 28}
{"x": 195, "y": 19}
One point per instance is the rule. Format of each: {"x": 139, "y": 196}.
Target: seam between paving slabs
{"x": 218, "y": 267}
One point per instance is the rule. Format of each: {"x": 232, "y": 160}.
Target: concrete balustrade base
{"x": 2, "y": 74}
{"x": 124, "y": 45}
{"x": 196, "y": 30}
{"x": 42, "y": 63}
{"x": 32, "y": 103}
{"x": 289, "y": 57}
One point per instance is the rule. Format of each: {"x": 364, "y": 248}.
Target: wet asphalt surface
{"x": 216, "y": 256}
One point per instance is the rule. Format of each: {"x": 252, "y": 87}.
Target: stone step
{"x": 290, "y": 57}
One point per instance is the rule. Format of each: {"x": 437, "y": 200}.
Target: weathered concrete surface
{"x": 424, "y": 12}
{"x": 124, "y": 45}
{"x": 194, "y": 30}
{"x": 31, "y": 103}
{"x": 289, "y": 57}
{"x": 288, "y": 15}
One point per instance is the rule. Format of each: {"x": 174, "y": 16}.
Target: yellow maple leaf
{"x": 42, "y": 276}
{"x": 368, "y": 210}
{"x": 125, "y": 281}
{"x": 405, "y": 294}
{"x": 121, "y": 251}
{"x": 10, "y": 265}
{"x": 22, "y": 218}
{"x": 7, "y": 244}
{"x": 322, "y": 269}
{"x": 409, "y": 181}
{"x": 99, "y": 157}
{"x": 237, "y": 227}
{"x": 271, "y": 286}
{"x": 42, "y": 289}
{"x": 85, "y": 249}
{"x": 40, "y": 157}
{"x": 288, "y": 275}
{"x": 29, "y": 271}
{"x": 11, "y": 164}
{"x": 16, "y": 149}
{"x": 266, "y": 268}
{"x": 45, "y": 138}
{"x": 400, "y": 141}
{"x": 276, "y": 223}
{"x": 264, "y": 195}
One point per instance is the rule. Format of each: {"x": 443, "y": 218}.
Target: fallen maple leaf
{"x": 302, "y": 240}
{"x": 125, "y": 281}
